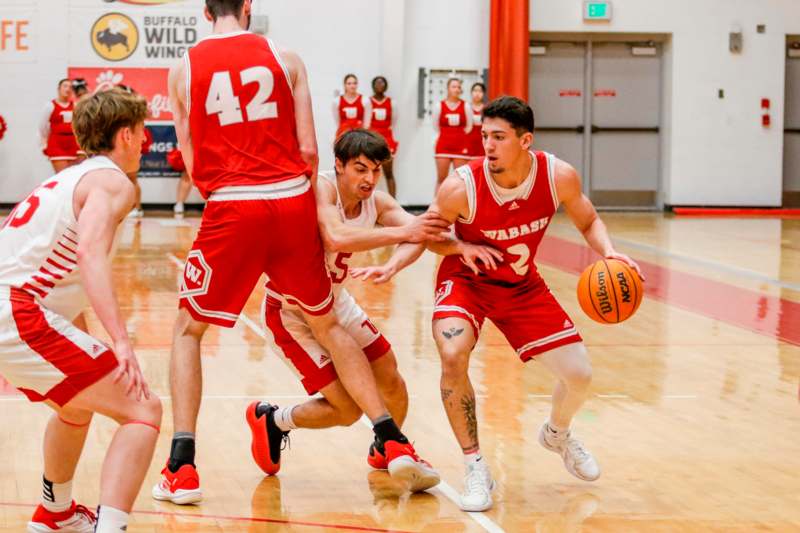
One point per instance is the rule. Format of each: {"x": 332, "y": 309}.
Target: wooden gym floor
{"x": 694, "y": 413}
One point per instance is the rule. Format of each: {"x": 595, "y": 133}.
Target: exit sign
{"x": 596, "y": 10}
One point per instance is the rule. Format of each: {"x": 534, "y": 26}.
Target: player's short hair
{"x": 512, "y": 110}
{"x": 221, "y": 8}
{"x": 348, "y": 76}
{"x": 376, "y": 79}
{"x": 99, "y": 117}
{"x": 355, "y": 143}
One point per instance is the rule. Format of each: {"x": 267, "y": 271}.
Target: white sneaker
{"x": 178, "y": 210}
{"x": 136, "y": 213}
{"x": 579, "y": 462}
{"x": 478, "y": 487}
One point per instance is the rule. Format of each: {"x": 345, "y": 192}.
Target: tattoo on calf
{"x": 468, "y": 406}
{"x": 452, "y": 332}
{"x": 446, "y": 394}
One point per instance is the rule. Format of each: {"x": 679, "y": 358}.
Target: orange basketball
{"x": 610, "y": 291}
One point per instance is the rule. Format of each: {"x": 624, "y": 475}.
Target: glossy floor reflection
{"x": 694, "y": 415}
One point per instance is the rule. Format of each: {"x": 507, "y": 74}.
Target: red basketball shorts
{"x": 44, "y": 355}
{"x": 290, "y": 336}
{"x": 528, "y": 315}
{"x": 248, "y": 231}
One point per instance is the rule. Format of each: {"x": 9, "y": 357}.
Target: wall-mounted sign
{"x": 115, "y": 36}
{"x": 596, "y": 10}
{"x": 149, "y": 82}
{"x": 16, "y": 36}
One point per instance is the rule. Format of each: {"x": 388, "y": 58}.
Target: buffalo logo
{"x": 196, "y": 275}
{"x": 115, "y": 37}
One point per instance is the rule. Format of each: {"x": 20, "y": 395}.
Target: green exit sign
{"x": 596, "y": 10}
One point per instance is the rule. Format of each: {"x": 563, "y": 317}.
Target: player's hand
{"x": 628, "y": 261}
{"x": 427, "y": 227}
{"x": 472, "y": 253}
{"x": 129, "y": 370}
{"x": 378, "y": 274}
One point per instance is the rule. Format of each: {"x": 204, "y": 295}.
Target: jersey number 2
{"x": 221, "y": 100}
{"x": 520, "y": 266}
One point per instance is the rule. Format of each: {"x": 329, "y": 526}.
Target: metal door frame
{"x": 588, "y": 40}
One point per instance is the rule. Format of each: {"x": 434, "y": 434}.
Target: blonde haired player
{"x": 54, "y": 257}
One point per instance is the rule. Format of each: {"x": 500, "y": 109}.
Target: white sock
{"x": 472, "y": 459}
{"x": 110, "y": 520}
{"x": 283, "y": 418}
{"x": 56, "y": 497}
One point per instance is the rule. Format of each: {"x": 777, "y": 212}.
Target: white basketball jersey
{"x": 367, "y": 218}
{"x": 39, "y": 242}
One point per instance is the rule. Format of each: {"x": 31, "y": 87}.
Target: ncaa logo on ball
{"x": 196, "y": 275}
{"x": 115, "y": 37}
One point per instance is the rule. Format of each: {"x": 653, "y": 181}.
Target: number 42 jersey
{"x": 241, "y": 113}
{"x": 512, "y": 221}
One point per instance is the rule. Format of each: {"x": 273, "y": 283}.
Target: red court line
{"x": 735, "y": 212}
{"x": 244, "y": 519}
{"x": 761, "y": 313}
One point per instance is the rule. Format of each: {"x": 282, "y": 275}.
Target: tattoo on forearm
{"x": 446, "y": 394}
{"x": 468, "y": 406}
{"x": 452, "y": 332}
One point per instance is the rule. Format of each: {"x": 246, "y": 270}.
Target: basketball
{"x": 610, "y": 291}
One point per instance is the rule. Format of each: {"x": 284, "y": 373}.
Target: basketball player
{"x": 137, "y": 211}
{"x": 452, "y": 119}
{"x": 55, "y": 260}
{"x": 506, "y": 200}
{"x": 184, "y": 187}
{"x": 351, "y": 110}
{"x": 384, "y": 118}
{"x": 475, "y": 137}
{"x": 250, "y": 154}
{"x": 55, "y": 129}
{"x": 353, "y": 217}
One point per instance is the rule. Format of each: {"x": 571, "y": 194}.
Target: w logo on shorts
{"x": 443, "y": 291}
{"x": 196, "y": 275}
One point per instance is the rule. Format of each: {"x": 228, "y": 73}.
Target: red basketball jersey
{"x": 61, "y": 118}
{"x": 514, "y": 226}
{"x": 241, "y": 113}
{"x": 381, "y": 115}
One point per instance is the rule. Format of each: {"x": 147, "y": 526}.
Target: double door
{"x": 598, "y": 107}
{"x": 791, "y": 134}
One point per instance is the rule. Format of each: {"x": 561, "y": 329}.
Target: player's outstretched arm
{"x": 448, "y": 206}
{"x": 180, "y": 112}
{"x": 340, "y": 237}
{"x": 303, "y": 112}
{"x": 104, "y": 198}
{"x": 584, "y": 216}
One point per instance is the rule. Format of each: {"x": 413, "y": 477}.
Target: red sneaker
{"x": 181, "y": 487}
{"x": 77, "y": 519}
{"x": 376, "y": 459}
{"x": 268, "y": 439}
{"x": 405, "y": 464}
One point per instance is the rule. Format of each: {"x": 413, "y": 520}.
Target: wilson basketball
{"x": 610, "y": 291}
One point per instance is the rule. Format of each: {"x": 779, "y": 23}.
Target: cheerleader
{"x": 452, "y": 119}
{"x": 384, "y": 117}
{"x": 351, "y": 110}
{"x": 55, "y": 129}
{"x": 476, "y": 150}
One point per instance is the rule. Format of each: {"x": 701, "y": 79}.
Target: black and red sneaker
{"x": 376, "y": 459}
{"x": 268, "y": 439}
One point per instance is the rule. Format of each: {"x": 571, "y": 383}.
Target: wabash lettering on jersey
{"x": 516, "y": 226}
{"x": 241, "y": 113}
